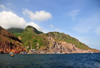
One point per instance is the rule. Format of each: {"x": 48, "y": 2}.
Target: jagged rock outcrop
{"x": 64, "y": 47}
{"x": 51, "y": 42}
{"x": 9, "y": 42}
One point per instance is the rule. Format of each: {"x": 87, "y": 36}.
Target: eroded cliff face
{"x": 51, "y": 42}
{"x": 9, "y": 42}
{"x": 63, "y": 47}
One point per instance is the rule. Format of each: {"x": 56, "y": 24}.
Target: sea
{"x": 87, "y": 60}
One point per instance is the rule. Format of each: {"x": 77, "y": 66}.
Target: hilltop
{"x": 30, "y": 38}
{"x": 52, "y": 42}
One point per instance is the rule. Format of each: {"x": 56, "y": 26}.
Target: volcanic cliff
{"x": 52, "y": 42}
{"x": 9, "y": 42}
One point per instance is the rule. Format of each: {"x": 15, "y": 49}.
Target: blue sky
{"x": 78, "y": 18}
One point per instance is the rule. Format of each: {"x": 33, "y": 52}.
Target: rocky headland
{"x": 34, "y": 41}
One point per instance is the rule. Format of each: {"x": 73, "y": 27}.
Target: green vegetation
{"x": 32, "y": 37}
{"x": 33, "y": 30}
{"x": 15, "y": 31}
{"x": 67, "y": 38}
{"x": 17, "y": 34}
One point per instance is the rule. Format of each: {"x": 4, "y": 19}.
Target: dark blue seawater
{"x": 50, "y": 61}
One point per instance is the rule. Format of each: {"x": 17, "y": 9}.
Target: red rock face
{"x": 9, "y": 42}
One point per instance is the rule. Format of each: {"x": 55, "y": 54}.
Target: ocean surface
{"x": 50, "y": 61}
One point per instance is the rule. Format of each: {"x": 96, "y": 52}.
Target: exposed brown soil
{"x": 9, "y": 42}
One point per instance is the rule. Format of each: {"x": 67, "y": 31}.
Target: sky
{"x": 78, "y": 18}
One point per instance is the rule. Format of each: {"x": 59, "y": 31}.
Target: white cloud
{"x": 51, "y": 26}
{"x": 2, "y": 6}
{"x": 38, "y": 15}
{"x": 73, "y": 14}
{"x": 34, "y": 25}
{"x": 9, "y": 19}
{"x": 98, "y": 30}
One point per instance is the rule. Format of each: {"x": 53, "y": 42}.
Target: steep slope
{"x": 67, "y": 38}
{"x": 9, "y": 42}
{"x": 73, "y": 45}
{"x": 61, "y": 47}
{"x": 32, "y": 38}
{"x": 15, "y": 31}
{"x": 56, "y": 46}
{"x": 52, "y": 42}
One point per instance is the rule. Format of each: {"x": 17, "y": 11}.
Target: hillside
{"x": 9, "y": 42}
{"x": 15, "y": 31}
{"x": 52, "y": 42}
{"x": 31, "y": 37}
{"x": 67, "y": 38}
